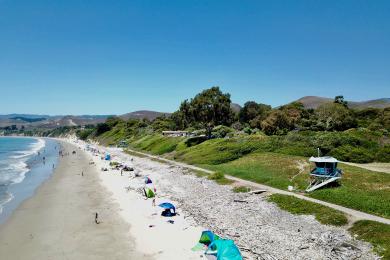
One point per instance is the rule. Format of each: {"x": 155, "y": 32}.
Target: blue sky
{"x": 112, "y": 57}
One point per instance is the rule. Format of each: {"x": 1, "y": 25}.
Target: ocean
{"x": 24, "y": 164}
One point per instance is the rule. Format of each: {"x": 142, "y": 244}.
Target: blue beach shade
{"x": 167, "y": 205}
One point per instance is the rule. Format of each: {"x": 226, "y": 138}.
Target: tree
{"x": 340, "y": 100}
{"x": 253, "y": 113}
{"x": 334, "y": 116}
{"x": 209, "y": 108}
{"x": 277, "y": 122}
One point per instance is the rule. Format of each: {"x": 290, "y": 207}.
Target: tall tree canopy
{"x": 253, "y": 113}
{"x": 209, "y": 108}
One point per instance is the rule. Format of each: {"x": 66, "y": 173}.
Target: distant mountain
{"x": 235, "y": 107}
{"x": 314, "y": 102}
{"x": 44, "y": 121}
{"x": 141, "y": 114}
{"x": 27, "y": 119}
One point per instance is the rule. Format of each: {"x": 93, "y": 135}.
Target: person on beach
{"x": 121, "y": 172}
{"x": 96, "y": 218}
{"x": 82, "y": 173}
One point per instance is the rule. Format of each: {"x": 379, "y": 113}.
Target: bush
{"x": 241, "y": 189}
{"x": 383, "y": 155}
{"x": 221, "y": 131}
{"x": 84, "y": 134}
{"x": 219, "y": 178}
{"x": 349, "y": 153}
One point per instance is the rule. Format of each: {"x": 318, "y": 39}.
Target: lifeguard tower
{"x": 325, "y": 172}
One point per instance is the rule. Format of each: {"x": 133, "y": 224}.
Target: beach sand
{"x": 58, "y": 222}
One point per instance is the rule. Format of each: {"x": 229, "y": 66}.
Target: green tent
{"x": 149, "y": 193}
{"x": 207, "y": 237}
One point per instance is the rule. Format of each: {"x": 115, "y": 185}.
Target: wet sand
{"x": 58, "y": 222}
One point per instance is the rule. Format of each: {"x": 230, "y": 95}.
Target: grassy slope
{"x": 377, "y": 234}
{"x": 360, "y": 189}
{"x": 324, "y": 215}
{"x": 157, "y": 144}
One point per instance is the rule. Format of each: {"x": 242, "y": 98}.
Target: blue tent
{"x": 226, "y": 249}
{"x": 108, "y": 157}
{"x": 167, "y": 205}
{"x": 167, "y": 209}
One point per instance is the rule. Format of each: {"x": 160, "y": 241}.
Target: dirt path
{"x": 376, "y": 167}
{"x": 354, "y": 214}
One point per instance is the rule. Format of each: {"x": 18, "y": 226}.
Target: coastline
{"x": 57, "y": 222}
{"x": 36, "y": 174}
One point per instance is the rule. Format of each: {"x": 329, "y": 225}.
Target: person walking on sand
{"x": 96, "y": 218}
{"x": 82, "y": 173}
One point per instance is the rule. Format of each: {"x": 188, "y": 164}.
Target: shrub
{"x": 349, "y": 153}
{"x": 240, "y": 189}
{"x": 221, "y": 131}
{"x": 219, "y": 178}
{"x": 383, "y": 155}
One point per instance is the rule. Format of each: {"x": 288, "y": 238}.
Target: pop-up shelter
{"x": 147, "y": 180}
{"x": 169, "y": 209}
{"x": 224, "y": 249}
{"x": 149, "y": 193}
{"x": 208, "y": 237}
{"x": 108, "y": 157}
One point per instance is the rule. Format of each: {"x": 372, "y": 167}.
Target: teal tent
{"x": 225, "y": 249}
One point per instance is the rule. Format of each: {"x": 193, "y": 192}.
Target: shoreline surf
{"x": 23, "y": 168}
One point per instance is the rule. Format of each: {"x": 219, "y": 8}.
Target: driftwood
{"x": 257, "y": 191}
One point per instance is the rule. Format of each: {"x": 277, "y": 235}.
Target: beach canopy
{"x": 149, "y": 193}
{"x": 207, "y": 237}
{"x": 147, "y": 180}
{"x": 226, "y": 249}
{"x": 167, "y": 205}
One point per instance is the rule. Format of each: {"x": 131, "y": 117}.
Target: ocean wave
{"x": 13, "y": 173}
{"x": 5, "y": 198}
{"x": 33, "y": 149}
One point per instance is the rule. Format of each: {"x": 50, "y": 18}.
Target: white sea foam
{"x": 14, "y": 173}
{"x": 17, "y": 167}
{"x": 34, "y": 148}
{"x": 5, "y": 199}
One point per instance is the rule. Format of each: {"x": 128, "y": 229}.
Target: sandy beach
{"x": 58, "y": 221}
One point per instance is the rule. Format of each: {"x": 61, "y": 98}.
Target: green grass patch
{"x": 359, "y": 189}
{"x": 276, "y": 170}
{"x": 241, "y": 189}
{"x": 217, "y": 151}
{"x": 219, "y": 178}
{"x": 323, "y": 214}
{"x": 376, "y": 233}
{"x": 157, "y": 144}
